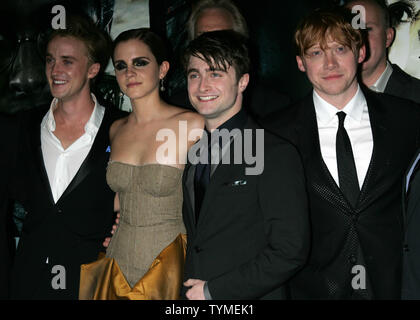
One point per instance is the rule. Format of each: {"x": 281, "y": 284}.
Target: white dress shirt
{"x": 62, "y": 164}
{"x": 357, "y": 125}
{"x": 380, "y": 84}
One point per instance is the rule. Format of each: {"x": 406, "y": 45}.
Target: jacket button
{"x": 352, "y": 259}
{"x": 59, "y": 211}
{"x": 406, "y": 248}
{"x": 197, "y": 249}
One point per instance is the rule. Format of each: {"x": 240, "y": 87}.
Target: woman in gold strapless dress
{"x": 145, "y": 257}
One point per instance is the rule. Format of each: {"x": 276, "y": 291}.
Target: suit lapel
{"x": 187, "y": 182}
{"x": 397, "y": 82}
{"x": 97, "y": 152}
{"x": 36, "y": 151}
{"x": 221, "y": 173}
{"x": 321, "y": 179}
{"x": 380, "y": 158}
{"x": 414, "y": 204}
{"x": 43, "y": 173}
{"x": 407, "y": 211}
{"x": 404, "y": 198}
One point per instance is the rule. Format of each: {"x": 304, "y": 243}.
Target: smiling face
{"x": 215, "y": 93}
{"x": 136, "y": 69}
{"x": 68, "y": 68}
{"x": 332, "y": 70}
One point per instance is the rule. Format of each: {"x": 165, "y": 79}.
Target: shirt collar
{"x": 91, "y": 127}
{"x": 326, "y": 112}
{"x": 380, "y": 84}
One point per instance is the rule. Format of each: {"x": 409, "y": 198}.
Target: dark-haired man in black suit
{"x": 355, "y": 145}
{"x": 246, "y": 219}
{"x": 261, "y": 97}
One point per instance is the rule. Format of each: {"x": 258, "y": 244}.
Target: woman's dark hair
{"x": 156, "y": 45}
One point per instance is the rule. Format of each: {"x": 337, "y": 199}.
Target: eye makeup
{"x": 140, "y": 62}
{"x": 120, "y": 65}
{"x": 136, "y": 63}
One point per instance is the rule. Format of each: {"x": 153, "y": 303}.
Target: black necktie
{"x": 201, "y": 180}
{"x": 347, "y": 174}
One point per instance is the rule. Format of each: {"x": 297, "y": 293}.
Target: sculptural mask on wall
{"x": 24, "y": 27}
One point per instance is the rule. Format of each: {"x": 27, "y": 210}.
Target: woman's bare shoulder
{"x": 116, "y": 125}
{"x": 194, "y": 119}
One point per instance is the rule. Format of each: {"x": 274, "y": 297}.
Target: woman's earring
{"x": 162, "y": 87}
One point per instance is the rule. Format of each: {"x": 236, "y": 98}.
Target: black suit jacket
{"x": 67, "y": 233}
{"x": 252, "y": 235}
{"x": 375, "y": 225}
{"x": 411, "y": 248}
{"x": 401, "y": 84}
{"x": 8, "y": 147}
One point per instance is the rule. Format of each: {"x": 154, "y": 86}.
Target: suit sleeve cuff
{"x": 207, "y": 294}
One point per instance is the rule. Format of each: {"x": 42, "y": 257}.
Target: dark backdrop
{"x": 271, "y": 24}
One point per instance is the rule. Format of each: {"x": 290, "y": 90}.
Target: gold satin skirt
{"x": 103, "y": 279}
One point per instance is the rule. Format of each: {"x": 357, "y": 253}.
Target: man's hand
{"x": 114, "y": 227}
{"x": 196, "y": 292}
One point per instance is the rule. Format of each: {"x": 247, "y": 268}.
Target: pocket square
{"x": 237, "y": 183}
